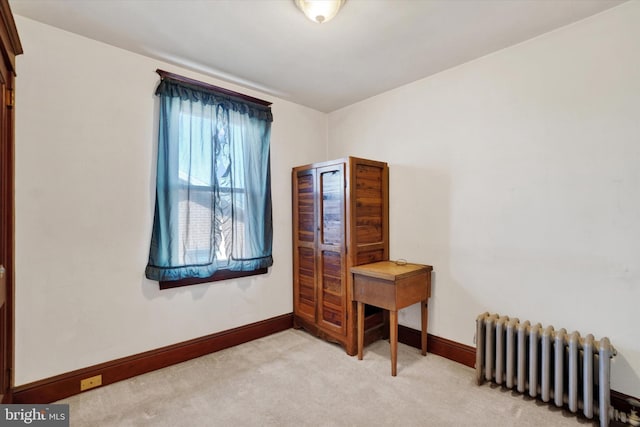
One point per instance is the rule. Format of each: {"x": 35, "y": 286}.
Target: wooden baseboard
{"x": 65, "y": 385}
{"x": 68, "y": 384}
{"x": 441, "y": 346}
{"x": 620, "y": 401}
{"x": 467, "y": 356}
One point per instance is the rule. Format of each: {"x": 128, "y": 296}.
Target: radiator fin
{"x": 546, "y": 364}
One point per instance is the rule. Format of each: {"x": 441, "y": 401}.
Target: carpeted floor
{"x": 294, "y": 379}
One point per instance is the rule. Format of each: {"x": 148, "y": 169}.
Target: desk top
{"x": 389, "y": 270}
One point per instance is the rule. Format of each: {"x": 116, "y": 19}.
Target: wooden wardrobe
{"x": 340, "y": 219}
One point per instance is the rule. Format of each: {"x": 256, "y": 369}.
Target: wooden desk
{"x": 391, "y": 286}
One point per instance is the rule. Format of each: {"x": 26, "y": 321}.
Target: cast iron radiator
{"x": 545, "y": 363}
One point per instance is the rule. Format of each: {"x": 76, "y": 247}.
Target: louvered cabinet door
{"x": 332, "y": 294}
{"x": 304, "y": 244}
{"x": 369, "y": 216}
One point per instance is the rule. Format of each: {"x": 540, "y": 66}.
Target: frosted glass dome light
{"x": 320, "y": 11}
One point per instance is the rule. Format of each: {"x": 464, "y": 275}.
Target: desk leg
{"x": 360, "y": 329}
{"x": 393, "y": 338}
{"x": 424, "y": 317}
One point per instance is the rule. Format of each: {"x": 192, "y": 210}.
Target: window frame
{"x": 220, "y": 274}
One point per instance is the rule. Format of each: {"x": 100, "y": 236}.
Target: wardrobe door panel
{"x": 304, "y": 242}
{"x": 332, "y": 295}
{"x": 369, "y": 212}
{"x": 306, "y": 206}
{"x": 332, "y": 223}
{"x": 305, "y": 297}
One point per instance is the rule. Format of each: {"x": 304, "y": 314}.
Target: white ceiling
{"x": 370, "y": 47}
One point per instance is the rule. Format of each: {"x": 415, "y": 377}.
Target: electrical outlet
{"x": 92, "y": 382}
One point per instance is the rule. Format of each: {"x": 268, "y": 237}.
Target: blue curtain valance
{"x": 193, "y": 93}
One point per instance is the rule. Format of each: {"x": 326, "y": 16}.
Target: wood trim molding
{"x": 448, "y": 349}
{"x": 620, "y": 401}
{"x": 68, "y": 384}
{"x": 9, "y": 34}
{"x": 166, "y": 74}
{"x": 219, "y": 275}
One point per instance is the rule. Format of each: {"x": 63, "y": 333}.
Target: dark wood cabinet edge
{"x": 220, "y": 275}
{"x": 9, "y": 34}
{"x": 11, "y": 47}
{"x": 61, "y": 386}
{"x": 349, "y": 160}
{"x": 311, "y": 327}
{"x": 466, "y": 355}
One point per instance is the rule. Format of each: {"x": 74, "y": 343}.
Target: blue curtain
{"x": 213, "y": 185}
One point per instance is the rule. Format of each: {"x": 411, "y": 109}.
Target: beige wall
{"x": 85, "y": 182}
{"x": 517, "y": 176}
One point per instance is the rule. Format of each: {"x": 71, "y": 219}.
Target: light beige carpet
{"x": 294, "y": 379}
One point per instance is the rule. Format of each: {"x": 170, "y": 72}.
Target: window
{"x": 213, "y": 189}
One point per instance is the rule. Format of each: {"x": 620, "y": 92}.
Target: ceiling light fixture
{"x": 320, "y": 11}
